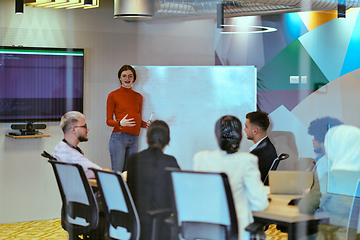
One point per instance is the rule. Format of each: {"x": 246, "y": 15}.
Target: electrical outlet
{"x": 294, "y": 79}
{"x": 303, "y": 79}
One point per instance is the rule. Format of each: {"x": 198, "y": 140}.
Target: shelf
{"x": 28, "y": 136}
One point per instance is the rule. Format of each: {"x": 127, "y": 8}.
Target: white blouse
{"x": 242, "y": 169}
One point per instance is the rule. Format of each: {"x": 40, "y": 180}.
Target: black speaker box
{"x": 28, "y": 126}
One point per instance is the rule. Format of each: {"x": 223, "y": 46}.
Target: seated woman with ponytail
{"x": 241, "y": 168}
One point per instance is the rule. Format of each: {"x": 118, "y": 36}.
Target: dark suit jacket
{"x": 150, "y": 185}
{"x": 266, "y": 154}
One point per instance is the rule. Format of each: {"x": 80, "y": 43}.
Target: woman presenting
{"x": 126, "y": 105}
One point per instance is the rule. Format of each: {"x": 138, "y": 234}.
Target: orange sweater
{"x": 121, "y": 102}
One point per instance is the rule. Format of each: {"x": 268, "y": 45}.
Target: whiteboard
{"x": 191, "y": 99}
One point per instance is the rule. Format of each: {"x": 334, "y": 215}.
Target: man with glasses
{"x": 73, "y": 124}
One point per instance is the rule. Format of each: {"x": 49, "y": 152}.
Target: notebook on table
{"x": 289, "y": 182}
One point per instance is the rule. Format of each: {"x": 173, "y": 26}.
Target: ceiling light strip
{"x": 57, "y": 4}
{"x": 261, "y": 29}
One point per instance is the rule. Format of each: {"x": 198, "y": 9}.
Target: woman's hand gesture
{"x": 127, "y": 122}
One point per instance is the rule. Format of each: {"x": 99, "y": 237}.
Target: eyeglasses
{"x": 128, "y": 76}
{"x": 84, "y": 126}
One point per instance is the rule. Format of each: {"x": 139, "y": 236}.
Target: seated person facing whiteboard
{"x": 126, "y": 105}
{"x": 256, "y": 126}
{"x": 149, "y": 183}
{"x": 73, "y": 124}
{"x": 242, "y": 169}
{"x": 342, "y": 150}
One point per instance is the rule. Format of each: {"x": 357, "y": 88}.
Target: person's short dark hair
{"x": 127, "y": 67}
{"x": 260, "y": 119}
{"x": 319, "y": 127}
{"x": 228, "y": 133}
{"x": 158, "y": 134}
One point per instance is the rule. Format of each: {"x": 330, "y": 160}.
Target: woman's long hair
{"x": 228, "y": 133}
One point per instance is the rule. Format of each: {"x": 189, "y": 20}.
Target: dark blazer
{"x": 150, "y": 185}
{"x": 266, "y": 154}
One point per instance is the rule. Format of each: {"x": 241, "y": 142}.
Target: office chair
{"x": 275, "y": 164}
{"x": 79, "y": 213}
{"x": 353, "y": 229}
{"x": 122, "y": 221}
{"x": 204, "y": 207}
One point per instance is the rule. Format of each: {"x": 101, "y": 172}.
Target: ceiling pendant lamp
{"x": 19, "y": 6}
{"x": 134, "y": 9}
{"x": 41, "y": 3}
{"x": 86, "y": 4}
{"x": 341, "y": 10}
{"x": 68, "y": 4}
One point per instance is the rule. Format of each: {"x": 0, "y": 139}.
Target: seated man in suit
{"x": 256, "y": 126}
{"x": 149, "y": 183}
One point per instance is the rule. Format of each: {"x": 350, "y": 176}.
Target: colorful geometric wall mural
{"x": 316, "y": 45}
{"x": 309, "y": 68}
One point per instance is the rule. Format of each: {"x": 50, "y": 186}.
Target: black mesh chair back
{"x": 204, "y": 206}
{"x": 274, "y": 165}
{"x": 79, "y": 214}
{"x": 122, "y": 221}
{"x": 353, "y": 230}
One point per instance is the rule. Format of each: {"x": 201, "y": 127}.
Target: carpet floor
{"x": 52, "y": 230}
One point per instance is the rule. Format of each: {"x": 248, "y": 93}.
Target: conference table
{"x": 288, "y": 216}
{"x": 93, "y": 182}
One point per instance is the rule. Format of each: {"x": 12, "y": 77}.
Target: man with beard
{"x": 75, "y": 130}
{"x": 256, "y": 126}
{"x": 73, "y": 124}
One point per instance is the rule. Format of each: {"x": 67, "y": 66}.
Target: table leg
{"x": 291, "y": 231}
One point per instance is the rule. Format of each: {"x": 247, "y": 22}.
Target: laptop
{"x": 289, "y": 182}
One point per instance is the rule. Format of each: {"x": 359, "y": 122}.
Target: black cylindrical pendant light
{"x": 341, "y": 10}
{"x": 19, "y": 6}
{"x": 88, "y": 2}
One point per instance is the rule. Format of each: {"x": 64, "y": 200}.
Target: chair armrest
{"x": 256, "y": 228}
{"x": 119, "y": 218}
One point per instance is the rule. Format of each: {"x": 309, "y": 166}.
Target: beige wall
{"x": 28, "y": 190}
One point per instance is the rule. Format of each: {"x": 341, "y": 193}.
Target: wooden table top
{"x": 279, "y": 210}
{"x": 93, "y": 182}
